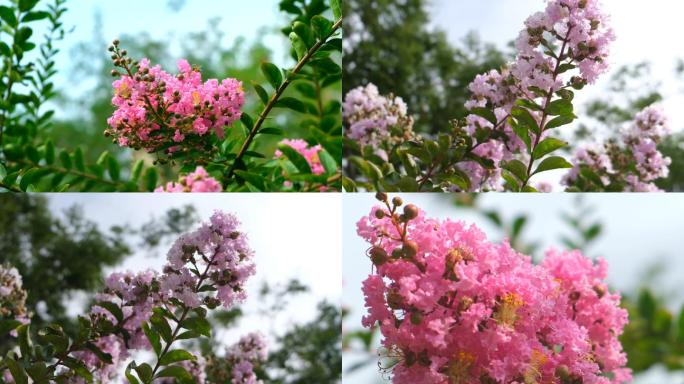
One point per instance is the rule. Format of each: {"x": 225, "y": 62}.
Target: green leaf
{"x": 79, "y": 368}
{"x": 160, "y": 324}
{"x": 680, "y": 326}
{"x": 137, "y": 170}
{"x": 103, "y": 356}
{"x": 296, "y": 158}
{"x": 7, "y": 14}
{"x": 199, "y": 325}
{"x": 33, "y": 16}
{"x": 3, "y": 174}
{"x": 551, "y": 163}
{"x": 6, "y": 326}
{"x": 129, "y": 376}
{"x": 321, "y": 26}
{"x": 299, "y": 45}
{"x": 271, "y": 131}
{"x": 79, "y": 161}
{"x": 291, "y": 103}
{"x": 175, "y": 371}
{"x": 272, "y": 74}
{"x": 17, "y": 371}
{"x": 153, "y": 337}
{"x": 65, "y": 159}
{"x": 518, "y": 225}
{"x": 261, "y": 92}
{"x": 522, "y": 132}
{"x": 144, "y": 372}
{"x": 547, "y": 146}
{"x": 150, "y": 179}
{"x": 113, "y": 168}
{"x": 5, "y": 49}
{"x": 646, "y": 304}
{"x": 561, "y": 107}
{"x": 247, "y": 120}
{"x": 328, "y": 162}
{"x": 305, "y": 34}
{"x": 485, "y": 113}
{"x": 336, "y": 7}
{"x": 24, "y": 340}
{"x": 22, "y": 35}
{"x": 517, "y": 168}
{"x": 112, "y": 308}
{"x": 560, "y": 121}
{"x": 27, "y": 5}
{"x": 49, "y": 152}
{"x": 176, "y": 356}
{"x": 526, "y": 119}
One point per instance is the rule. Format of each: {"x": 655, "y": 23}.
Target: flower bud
{"x": 378, "y": 256}
{"x": 395, "y": 300}
{"x": 381, "y": 196}
{"x": 410, "y": 249}
{"x": 574, "y": 296}
{"x": 600, "y": 291}
{"x": 116, "y": 42}
{"x": 379, "y": 214}
{"x": 234, "y": 235}
{"x": 416, "y": 317}
{"x": 397, "y": 254}
{"x": 411, "y": 211}
{"x": 397, "y": 201}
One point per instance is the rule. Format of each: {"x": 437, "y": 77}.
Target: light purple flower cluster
{"x": 374, "y": 119}
{"x": 12, "y": 295}
{"x": 244, "y": 356}
{"x": 570, "y": 36}
{"x": 216, "y": 255}
{"x": 635, "y": 160}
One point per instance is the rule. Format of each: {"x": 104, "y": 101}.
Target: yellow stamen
{"x": 507, "y": 312}
{"x": 532, "y": 373}
{"x": 457, "y": 370}
{"x": 123, "y": 91}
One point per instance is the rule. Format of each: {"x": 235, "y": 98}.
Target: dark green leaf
{"x": 336, "y": 7}
{"x": 160, "y": 324}
{"x": 328, "y": 162}
{"x": 261, "y": 92}
{"x": 560, "y": 121}
{"x": 526, "y": 119}
{"x": 175, "y": 371}
{"x": 112, "y": 308}
{"x": 547, "y": 146}
{"x": 321, "y": 26}
{"x": 291, "y": 103}
{"x": 150, "y": 179}
{"x": 551, "y": 163}
{"x": 199, "y": 325}
{"x": 296, "y": 158}
{"x": 485, "y": 113}
{"x": 561, "y": 107}
{"x": 113, "y": 168}
{"x": 17, "y": 371}
{"x": 33, "y": 16}
{"x": 176, "y": 356}
{"x": 6, "y": 326}
{"x": 27, "y": 5}
{"x": 7, "y": 14}
{"x": 247, "y": 120}
{"x": 271, "y": 131}
{"x": 153, "y": 337}
{"x": 517, "y": 168}
{"x": 144, "y": 372}
{"x": 272, "y": 74}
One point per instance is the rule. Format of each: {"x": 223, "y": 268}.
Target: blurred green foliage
{"x": 390, "y": 44}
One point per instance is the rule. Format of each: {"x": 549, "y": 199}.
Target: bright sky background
{"x": 639, "y": 230}
{"x": 646, "y": 31}
{"x": 155, "y": 18}
{"x": 293, "y": 235}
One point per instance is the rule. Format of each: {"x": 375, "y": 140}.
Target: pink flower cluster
{"x": 454, "y": 307}
{"x": 374, "y": 119}
{"x": 580, "y": 33}
{"x": 245, "y": 356}
{"x": 156, "y": 109}
{"x": 636, "y": 161}
{"x": 221, "y": 254}
{"x": 198, "y": 181}
{"x": 309, "y": 153}
{"x": 12, "y": 295}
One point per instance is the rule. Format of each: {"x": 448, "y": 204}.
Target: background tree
{"x": 389, "y": 43}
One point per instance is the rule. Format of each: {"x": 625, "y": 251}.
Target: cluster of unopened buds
{"x": 197, "y": 181}
{"x": 205, "y": 269}
{"x": 169, "y": 114}
{"x": 375, "y": 120}
{"x": 633, "y": 159}
{"x": 453, "y": 307}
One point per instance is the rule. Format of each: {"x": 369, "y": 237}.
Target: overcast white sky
{"x": 293, "y": 235}
{"x": 640, "y": 230}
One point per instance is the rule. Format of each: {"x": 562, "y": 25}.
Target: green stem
{"x": 545, "y": 114}
{"x": 279, "y": 92}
